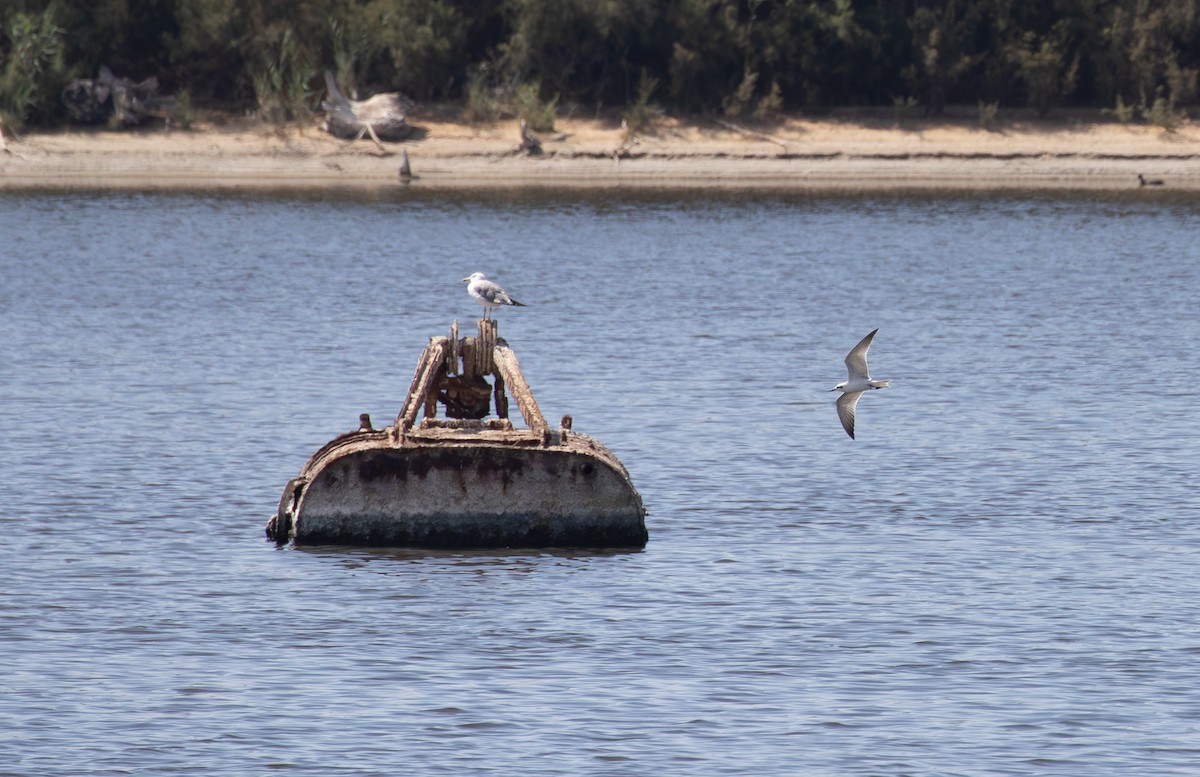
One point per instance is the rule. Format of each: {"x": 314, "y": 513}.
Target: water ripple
{"x": 996, "y": 578}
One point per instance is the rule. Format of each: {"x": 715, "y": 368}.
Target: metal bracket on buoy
{"x": 453, "y": 371}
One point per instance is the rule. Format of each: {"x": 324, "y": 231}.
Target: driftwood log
{"x": 383, "y": 117}
{"x": 121, "y": 101}
{"x": 530, "y": 144}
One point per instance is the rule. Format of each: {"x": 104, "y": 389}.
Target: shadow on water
{"x": 559, "y": 198}
{"x": 361, "y": 556}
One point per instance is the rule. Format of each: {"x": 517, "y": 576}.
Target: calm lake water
{"x": 1000, "y": 576}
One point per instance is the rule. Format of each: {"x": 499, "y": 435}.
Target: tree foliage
{"x": 31, "y": 65}
{"x": 730, "y": 56}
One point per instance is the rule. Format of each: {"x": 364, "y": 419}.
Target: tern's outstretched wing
{"x": 845, "y": 407}
{"x": 856, "y": 361}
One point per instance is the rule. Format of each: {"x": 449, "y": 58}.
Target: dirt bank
{"x": 797, "y": 153}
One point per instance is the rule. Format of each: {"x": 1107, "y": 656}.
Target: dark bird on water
{"x": 1144, "y": 181}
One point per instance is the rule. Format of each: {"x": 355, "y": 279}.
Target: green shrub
{"x": 354, "y": 48}
{"x": 486, "y": 100}
{"x": 735, "y": 104}
{"x": 1164, "y": 114}
{"x": 904, "y": 107}
{"x": 1045, "y": 69}
{"x": 988, "y": 113}
{"x": 640, "y": 115}
{"x": 481, "y": 101}
{"x": 280, "y": 73}
{"x": 32, "y": 69}
{"x": 770, "y": 105}
{"x": 182, "y": 113}
{"x": 526, "y": 103}
{"x": 1121, "y": 112}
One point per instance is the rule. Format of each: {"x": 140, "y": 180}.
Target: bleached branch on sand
{"x": 748, "y": 133}
{"x": 383, "y": 117}
{"x": 4, "y": 144}
{"x": 118, "y": 100}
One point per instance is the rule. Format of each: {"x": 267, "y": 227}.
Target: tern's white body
{"x": 857, "y": 381}
{"x": 488, "y": 293}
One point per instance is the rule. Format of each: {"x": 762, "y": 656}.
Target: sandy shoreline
{"x": 795, "y": 154}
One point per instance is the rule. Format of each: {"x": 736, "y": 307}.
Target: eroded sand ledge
{"x": 796, "y": 154}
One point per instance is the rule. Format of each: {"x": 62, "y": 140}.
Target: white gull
{"x": 488, "y": 293}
